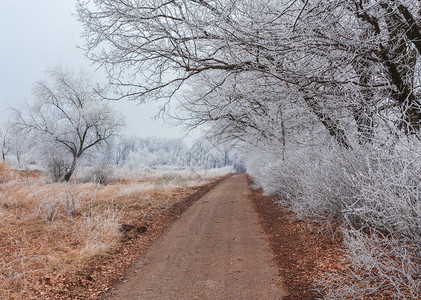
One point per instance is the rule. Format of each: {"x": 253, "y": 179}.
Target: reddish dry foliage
{"x": 106, "y": 271}
{"x": 301, "y": 253}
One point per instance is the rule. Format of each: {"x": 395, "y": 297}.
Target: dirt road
{"x": 215, "y": 250}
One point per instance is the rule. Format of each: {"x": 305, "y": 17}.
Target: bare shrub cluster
{"x": 375, "y": 193}
{"x": 381, "y": 265}
{"x": 99, "y": 174}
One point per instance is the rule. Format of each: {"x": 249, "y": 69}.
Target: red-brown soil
{"x": 302, "y": 253}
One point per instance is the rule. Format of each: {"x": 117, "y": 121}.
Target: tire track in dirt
{"x": 215, "y": 250}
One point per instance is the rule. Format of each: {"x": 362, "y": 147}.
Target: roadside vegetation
{"x": 374, "y": 195}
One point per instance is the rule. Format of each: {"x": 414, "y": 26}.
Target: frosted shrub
{"x": 380, "y": 264}
{"x": 50, "y": 208}
{"x": 375, "y": 192}
{"x": 390, "y": 201}
{"x": 275, "y": 175}
{"x": 379, "y": 190}
{"x": 328, "y": 183}
{"x": 277, "y": 181}
{"x": 71, "y": 203}
{"x": 360, "y": 187}
{"x": 55, "y": 167}
{"x": 312, "y": 181}
{"x": 100, "y": 174}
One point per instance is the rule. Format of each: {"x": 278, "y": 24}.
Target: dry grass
{"x": 48, "y": 229}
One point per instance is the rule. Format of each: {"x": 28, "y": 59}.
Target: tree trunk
{"x": 71, "y": 170}
{"x": 363, "y": 115}
{"x": 330, "y": 124}
{"x": 283, "y": 132}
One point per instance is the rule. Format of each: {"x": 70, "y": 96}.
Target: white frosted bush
{"x": 372, "y": 187}
{"x": 274, "y": 174}
{"x": 380, "y": 264}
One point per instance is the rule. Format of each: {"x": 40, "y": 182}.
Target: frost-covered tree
{"x": 5, "y": 141}
{"x": 123, "y": 147}
{"x": 114, "y": 152}
{"x": 349, "y": 63}
{"x": 204, "y": 154}
{"x": 154, "y": 151}
{"x": 67, "y": 119}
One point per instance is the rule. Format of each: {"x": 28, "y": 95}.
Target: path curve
{"x": 215, "y": 250}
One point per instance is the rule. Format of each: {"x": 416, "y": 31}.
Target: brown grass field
{"x": 51, "y": 231}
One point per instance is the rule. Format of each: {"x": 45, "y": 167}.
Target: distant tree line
{"x": 155, "y": 151}
{"x": 26, "y": 150}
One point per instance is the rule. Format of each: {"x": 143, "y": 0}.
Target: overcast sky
{"x": 39, "y": 34}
